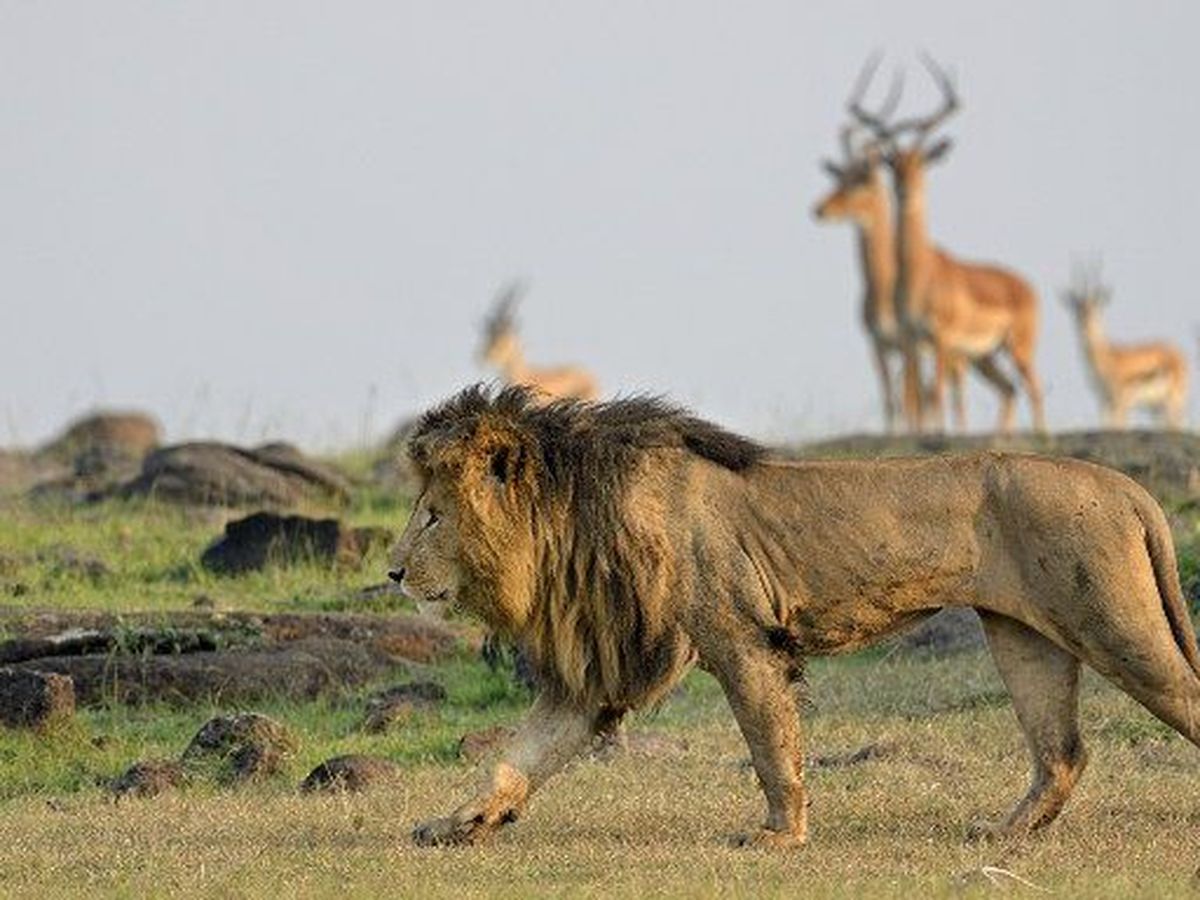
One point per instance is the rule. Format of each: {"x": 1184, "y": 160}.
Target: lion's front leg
{"x": 551, "y": 735}
{"x": 758, "y": 688}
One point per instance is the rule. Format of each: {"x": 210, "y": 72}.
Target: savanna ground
{"x": 907, "y": 749}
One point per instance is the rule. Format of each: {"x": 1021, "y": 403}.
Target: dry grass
{"x": 890, "y": 826}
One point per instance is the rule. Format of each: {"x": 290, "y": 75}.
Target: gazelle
{"x": 502, "y": 350}
{"x": 1150, "y": 375}
{"x": 966, "y": 310}
{"x": 861, "y": 195}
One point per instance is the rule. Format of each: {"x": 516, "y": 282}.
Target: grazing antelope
{"x": 965, "y": 310}
{"x": 1151, "y": 375}
{"x": 502, "y": 350}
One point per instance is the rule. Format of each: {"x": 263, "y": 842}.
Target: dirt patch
{"x": 646, "y": 744}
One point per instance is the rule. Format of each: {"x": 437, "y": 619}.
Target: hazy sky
{"x": 287, "y": 219}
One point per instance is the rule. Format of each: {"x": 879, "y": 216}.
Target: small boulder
{"x": 241, "y": 747}
{"x": 397, "y": 704}
{"x": 149, "y": 778}
{"x": 476, "y": 745}
{"x": 33, "y": 699}
{"x": 253, "y": 542}
{"x": 209, "y": 473}
{"x": 354, "y": 772}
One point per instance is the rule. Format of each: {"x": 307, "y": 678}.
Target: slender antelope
{"x": 861, "y": 195}
{"x": 1151, "y": 375}
{"x": 502, "y": 350}
{"x": 965, "y": 310}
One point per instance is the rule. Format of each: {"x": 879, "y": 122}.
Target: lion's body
{"x": 622, "y": 542}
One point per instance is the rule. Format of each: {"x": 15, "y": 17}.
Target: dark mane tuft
{"x": 590, "y": 440}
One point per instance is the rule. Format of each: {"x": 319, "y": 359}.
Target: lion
{"x": 622, "y": 542}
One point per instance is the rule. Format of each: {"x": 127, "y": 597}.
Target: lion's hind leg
{"x": 758, "y": 687}
{"x": 1043, "y": 681}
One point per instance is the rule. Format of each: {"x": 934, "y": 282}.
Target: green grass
{"x": 151, "y": 558}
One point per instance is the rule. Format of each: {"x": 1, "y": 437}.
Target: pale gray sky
{"x": 287, "y": 218}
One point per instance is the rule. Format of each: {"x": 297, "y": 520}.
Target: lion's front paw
{"x": 770, "y": 839}
{"x": 450, "y": 831}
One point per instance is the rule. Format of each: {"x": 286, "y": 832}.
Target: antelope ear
{"x": 938, "y": 150}
{"x": 833, "y": 169}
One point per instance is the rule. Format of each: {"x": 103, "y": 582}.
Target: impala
{"x": 1150, "y": 375}
{"x": 861, "y": 195}
{"x": 502, "y": 350}
{"x": 965, "y": 310}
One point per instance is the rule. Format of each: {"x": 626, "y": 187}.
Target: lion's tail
{"x": 1166, "y": 574}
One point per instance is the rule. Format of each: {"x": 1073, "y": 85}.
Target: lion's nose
{"x": 397, "y": 575}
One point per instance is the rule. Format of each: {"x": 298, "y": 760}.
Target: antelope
{"x": 861, "y": 195}
{"x": 1150, "y": 375}
{"x": 502, "y": 350}
{"x": 965, "y": 310}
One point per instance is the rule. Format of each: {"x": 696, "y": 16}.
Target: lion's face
{"x": 426, "y": 561}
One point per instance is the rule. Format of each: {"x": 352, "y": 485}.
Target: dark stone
{"x": 209, "y": 473}
{"x": 34, "y": 699}
{"x": 240, "y": 747}
{"x": 149, "y": 778}
{"x": 397, "y": 704}
{"x": 354, "y": 772}
{"x": 264, "y": 538}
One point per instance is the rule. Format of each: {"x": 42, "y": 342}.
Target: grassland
{"x": 944, "y": 750}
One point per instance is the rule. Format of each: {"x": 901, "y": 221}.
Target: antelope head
{"x": 500, "y": 327}
{"x": 1087, "y": 294}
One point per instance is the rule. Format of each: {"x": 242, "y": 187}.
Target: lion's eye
{"x": 432, "y": 520}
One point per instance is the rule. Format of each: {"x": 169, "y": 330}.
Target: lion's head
{"x": 524, "y": 519}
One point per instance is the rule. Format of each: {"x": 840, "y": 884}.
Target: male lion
{"x": 619, "y": 542}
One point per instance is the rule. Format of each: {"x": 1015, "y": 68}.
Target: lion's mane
{"x": 557, "y": 562}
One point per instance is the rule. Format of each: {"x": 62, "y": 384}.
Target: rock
{"x": 354, "y": 772}
{"x": 299, "y": 670}
{"x": 253, "y": 542}
{"x": 240, "y": 747}
{"x": 149, "y": 778}
{"x": 476, "y": 745}
{"x": 210, "y": 473}
{"x": 397, "y": 704}
{"x": 33, "y": 699}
